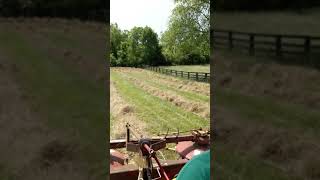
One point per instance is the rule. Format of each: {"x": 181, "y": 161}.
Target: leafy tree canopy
{"x": 187, "y": 39}
{"x": 137, "y": 47}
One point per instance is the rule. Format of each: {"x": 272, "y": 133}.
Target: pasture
{"x": 53, "y": 121}
{"x": 190, "y": 68}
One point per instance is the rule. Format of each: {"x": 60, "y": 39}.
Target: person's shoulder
{"x": 197, "y": 168}
{"x": 205, "y": 156}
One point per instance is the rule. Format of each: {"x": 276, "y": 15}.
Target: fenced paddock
{"x": 304, "y": 47}
{"x": 196, "y": 76}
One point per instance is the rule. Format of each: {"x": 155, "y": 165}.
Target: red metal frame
{"x": 187, "y": 146}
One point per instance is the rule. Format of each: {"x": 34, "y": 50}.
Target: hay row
{"x": 184, "y": 85}
{"x": 285, "y": 149}
{"x": 197, "y": 108}
{"x": 123, "y": 113}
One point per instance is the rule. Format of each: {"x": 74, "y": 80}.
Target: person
{"x": 198, "y": 168}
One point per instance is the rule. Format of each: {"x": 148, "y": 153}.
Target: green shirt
{"x": 198, "y": 168}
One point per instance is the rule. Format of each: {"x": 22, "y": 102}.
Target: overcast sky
{"x": 152, "y": 13}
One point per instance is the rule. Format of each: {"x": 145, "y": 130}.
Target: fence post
{"x": 181, "y": 73}
{"x": 278, "y": 45}
{"x": 230, "y": 40}
{"x": 251, "y": 49}
{"x": 307, "y": 44}
{"x": 188, "y": 75}
{"x": 197, "y": 76}
{"x": 205, "y": 76}
{"x": 176, "y": 73}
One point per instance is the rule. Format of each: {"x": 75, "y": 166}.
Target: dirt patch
{"x": 126, "y": 109}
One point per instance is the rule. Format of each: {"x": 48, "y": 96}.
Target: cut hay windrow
{"x": 190, "y": 95}
{"x": 197, "y": 108}
{"x": 187, "y": 85}
{"x": 286, "y": 149}
{"x": 157, "y": 113}
{"x": 184, "y": 85}
{"x": 122, "y": 113}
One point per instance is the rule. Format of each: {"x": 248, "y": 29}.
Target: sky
{"x": 152, "y": 13}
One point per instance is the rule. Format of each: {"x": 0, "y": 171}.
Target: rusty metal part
{"x": 135, "y": 146}
{"x": 201, "y": 137}
{"x": 188, "y": 149}
{"x": 131, "y": 172}
{"x": 116, "y": 159}
{"x": 121, "y": 143}
{"x": 187, "y": 146}
{"x": 152, "y": 153}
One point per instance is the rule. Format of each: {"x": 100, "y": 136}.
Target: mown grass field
{"x": 190, "y": 68}
{"x": 267, "y": 116}
{"x": 278, "y": 22}
{"x": 54, "y": 115}
{"x": 153, "y": 102}
{"x": 267, "y": 119}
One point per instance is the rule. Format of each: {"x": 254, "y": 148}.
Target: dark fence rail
{"x": 196, "y": 76}
{"x": 279, "y": 45}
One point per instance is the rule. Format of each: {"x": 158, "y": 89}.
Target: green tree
{"x": 116, "y": 39}
{"x": 187, "y": 39}
{"x": 143, "y": 47}
{"x": 137, "y": 47}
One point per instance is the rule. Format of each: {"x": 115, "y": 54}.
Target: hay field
{"x": 51, "y": 89}
{"x": 267, "y": 119}
{"x": 153, "y": 102}
{"x": 190, "y": 68}
{"x": 305, "y": 22}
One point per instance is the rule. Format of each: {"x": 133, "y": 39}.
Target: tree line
{"x": 137, "y": 47}
{"x": 82, "y": 9}
{"x": 185, "y": 42}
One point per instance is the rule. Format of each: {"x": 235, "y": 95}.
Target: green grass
{"x": 266, "y": 110}
{"x": 190, "y": 68}
{"x": 265, "y": 22}
{"x": 231, "y": 165}
{"x": 158, "y": 114}
{"x": 248, "y": 108}
{"x": 68, "y": 101}
{"x": 187, "y": 94}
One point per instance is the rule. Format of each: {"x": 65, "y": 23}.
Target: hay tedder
{"x": 149, "y": 166}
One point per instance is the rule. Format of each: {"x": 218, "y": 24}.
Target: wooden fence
{"x": 276, "y": 44}
{"x": 197, "y": 76}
